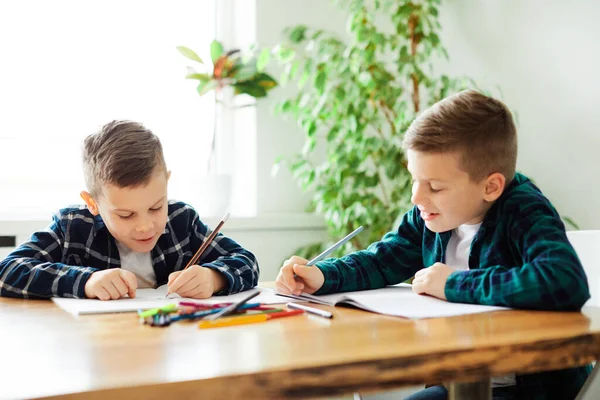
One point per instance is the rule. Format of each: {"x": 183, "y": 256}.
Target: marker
{"x": 169, "y": 308}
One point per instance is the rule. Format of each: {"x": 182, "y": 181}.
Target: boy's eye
{"x": 156, "y": 209}
{"x": 433, "y": 190}
{"x": 125, "y": 216}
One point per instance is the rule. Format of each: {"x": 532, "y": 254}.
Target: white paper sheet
{"x": 153, "y": 298}
{"x": 400, "y": 301}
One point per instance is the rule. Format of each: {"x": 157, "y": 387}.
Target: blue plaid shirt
{"x": 520, "y": 257}
{"x": 59, "y": 260}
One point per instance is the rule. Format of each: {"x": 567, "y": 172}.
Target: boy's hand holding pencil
{"x": 296, "y": 277}
{"x": 196, "y": 282}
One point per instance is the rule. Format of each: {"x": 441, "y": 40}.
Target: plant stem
{"x": 385, "y": 110}
{"x": 414, "y": 41}
{"x": 386, "y": 199}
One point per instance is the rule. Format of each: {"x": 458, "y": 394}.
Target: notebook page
{"x": 403, "y": 302}
{"x": 399, "y": 301}
{"x": 153, "y": 298}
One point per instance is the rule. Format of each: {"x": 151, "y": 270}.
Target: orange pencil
{"x": 246, "y": 319}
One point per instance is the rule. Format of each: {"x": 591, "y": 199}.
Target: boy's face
{"x": 135, "y": 216}
{"x": 444, "y": 193}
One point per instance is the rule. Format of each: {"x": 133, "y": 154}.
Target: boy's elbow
{"x": 577, "y": 290}
{"x": 571, "y": 296}
{"x": 579, "y": 299}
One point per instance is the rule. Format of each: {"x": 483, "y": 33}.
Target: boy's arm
{"x": 551, "y": 277}
{"x": 395, "y": 258}
{"x": 237, "y": 265}
{"x": 32, "y": 270}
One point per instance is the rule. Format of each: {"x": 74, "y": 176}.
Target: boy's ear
{"x": 168, "y": 175}
{"x": 90, "y": 202}
{"x": 494, "y": 186}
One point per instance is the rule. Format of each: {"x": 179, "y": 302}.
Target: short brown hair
{"x": 122, "y": 153}
{"x": 479, "y": 127}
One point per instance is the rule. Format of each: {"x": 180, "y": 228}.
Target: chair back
{"x": 587, "y": 246}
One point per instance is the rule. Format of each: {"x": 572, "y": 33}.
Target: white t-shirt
{"x": 459, "y": 246}
{"x": 457, "y": 257}
{"x": 138, "y": 263}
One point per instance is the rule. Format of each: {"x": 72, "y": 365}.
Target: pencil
{"x": 311, "y": 310}
{"x": 246, "y": 319}
{"x": 204, "y": 245}
{"x": 335, "y": 246}
{"x": 207, "y": 241}
{"x": 234, "y": 306}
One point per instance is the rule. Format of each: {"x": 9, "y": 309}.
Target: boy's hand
{"x": 307, "y": 280}
{"x": 111, "y": 284}
{"x": 432, "y": 280}
{"x": 196, "y": 282}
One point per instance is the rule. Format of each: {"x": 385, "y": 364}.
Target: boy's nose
{"x": 418, "y": 197}
{"x": 145, "y": 227}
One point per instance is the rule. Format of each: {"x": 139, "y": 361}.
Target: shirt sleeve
{"x": 393, "y": 259}
{"x": 551, "y": 276}
{"x": 33, "y": 269}
{"x": 236, "y": 264}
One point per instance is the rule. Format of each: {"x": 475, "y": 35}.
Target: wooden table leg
{"x": 481, "y": 390}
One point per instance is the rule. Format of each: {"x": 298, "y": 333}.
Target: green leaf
{"x": 206, "y": 86}
{"x": 284, "y": 106}
{"x": 285, "y": 54}
{"x": 216, "y": 50}
{"x": 320, "y": 81}
{"x": 265, "y": 80}
{"x": 245, "y": 72}
{"x": 198, "y": 76}
{"x": 263, "y": 59}
{"x": 297, "y": 34}
{"x": 250, "y": 88}
{"x": 570, "y": 222}
{"x": 189, "y": 54}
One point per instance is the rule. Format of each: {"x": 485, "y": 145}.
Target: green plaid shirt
{"x": 519, "y": 258}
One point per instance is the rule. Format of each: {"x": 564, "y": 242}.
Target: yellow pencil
{"x": 246, "y": 319}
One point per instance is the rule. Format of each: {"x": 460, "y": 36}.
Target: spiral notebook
{"x": 398, "y": 301}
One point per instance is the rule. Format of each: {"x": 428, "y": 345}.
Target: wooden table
{"x": 49, "y": 353}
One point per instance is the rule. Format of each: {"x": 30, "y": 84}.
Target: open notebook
{"x": 153, "y": 298}
{"x": 399, "y": 301}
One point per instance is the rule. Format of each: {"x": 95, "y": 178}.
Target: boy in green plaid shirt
{"x": 478, "y": 233}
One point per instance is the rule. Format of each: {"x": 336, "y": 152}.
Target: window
{"x": 70, "y": 66}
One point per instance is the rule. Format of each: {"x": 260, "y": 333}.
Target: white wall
{"x": 543, "y": 55}
{"x": 276, "y": 136}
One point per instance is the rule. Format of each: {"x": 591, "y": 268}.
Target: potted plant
{"x": 231, "y": 74}
{"x": 356, "y": 97}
